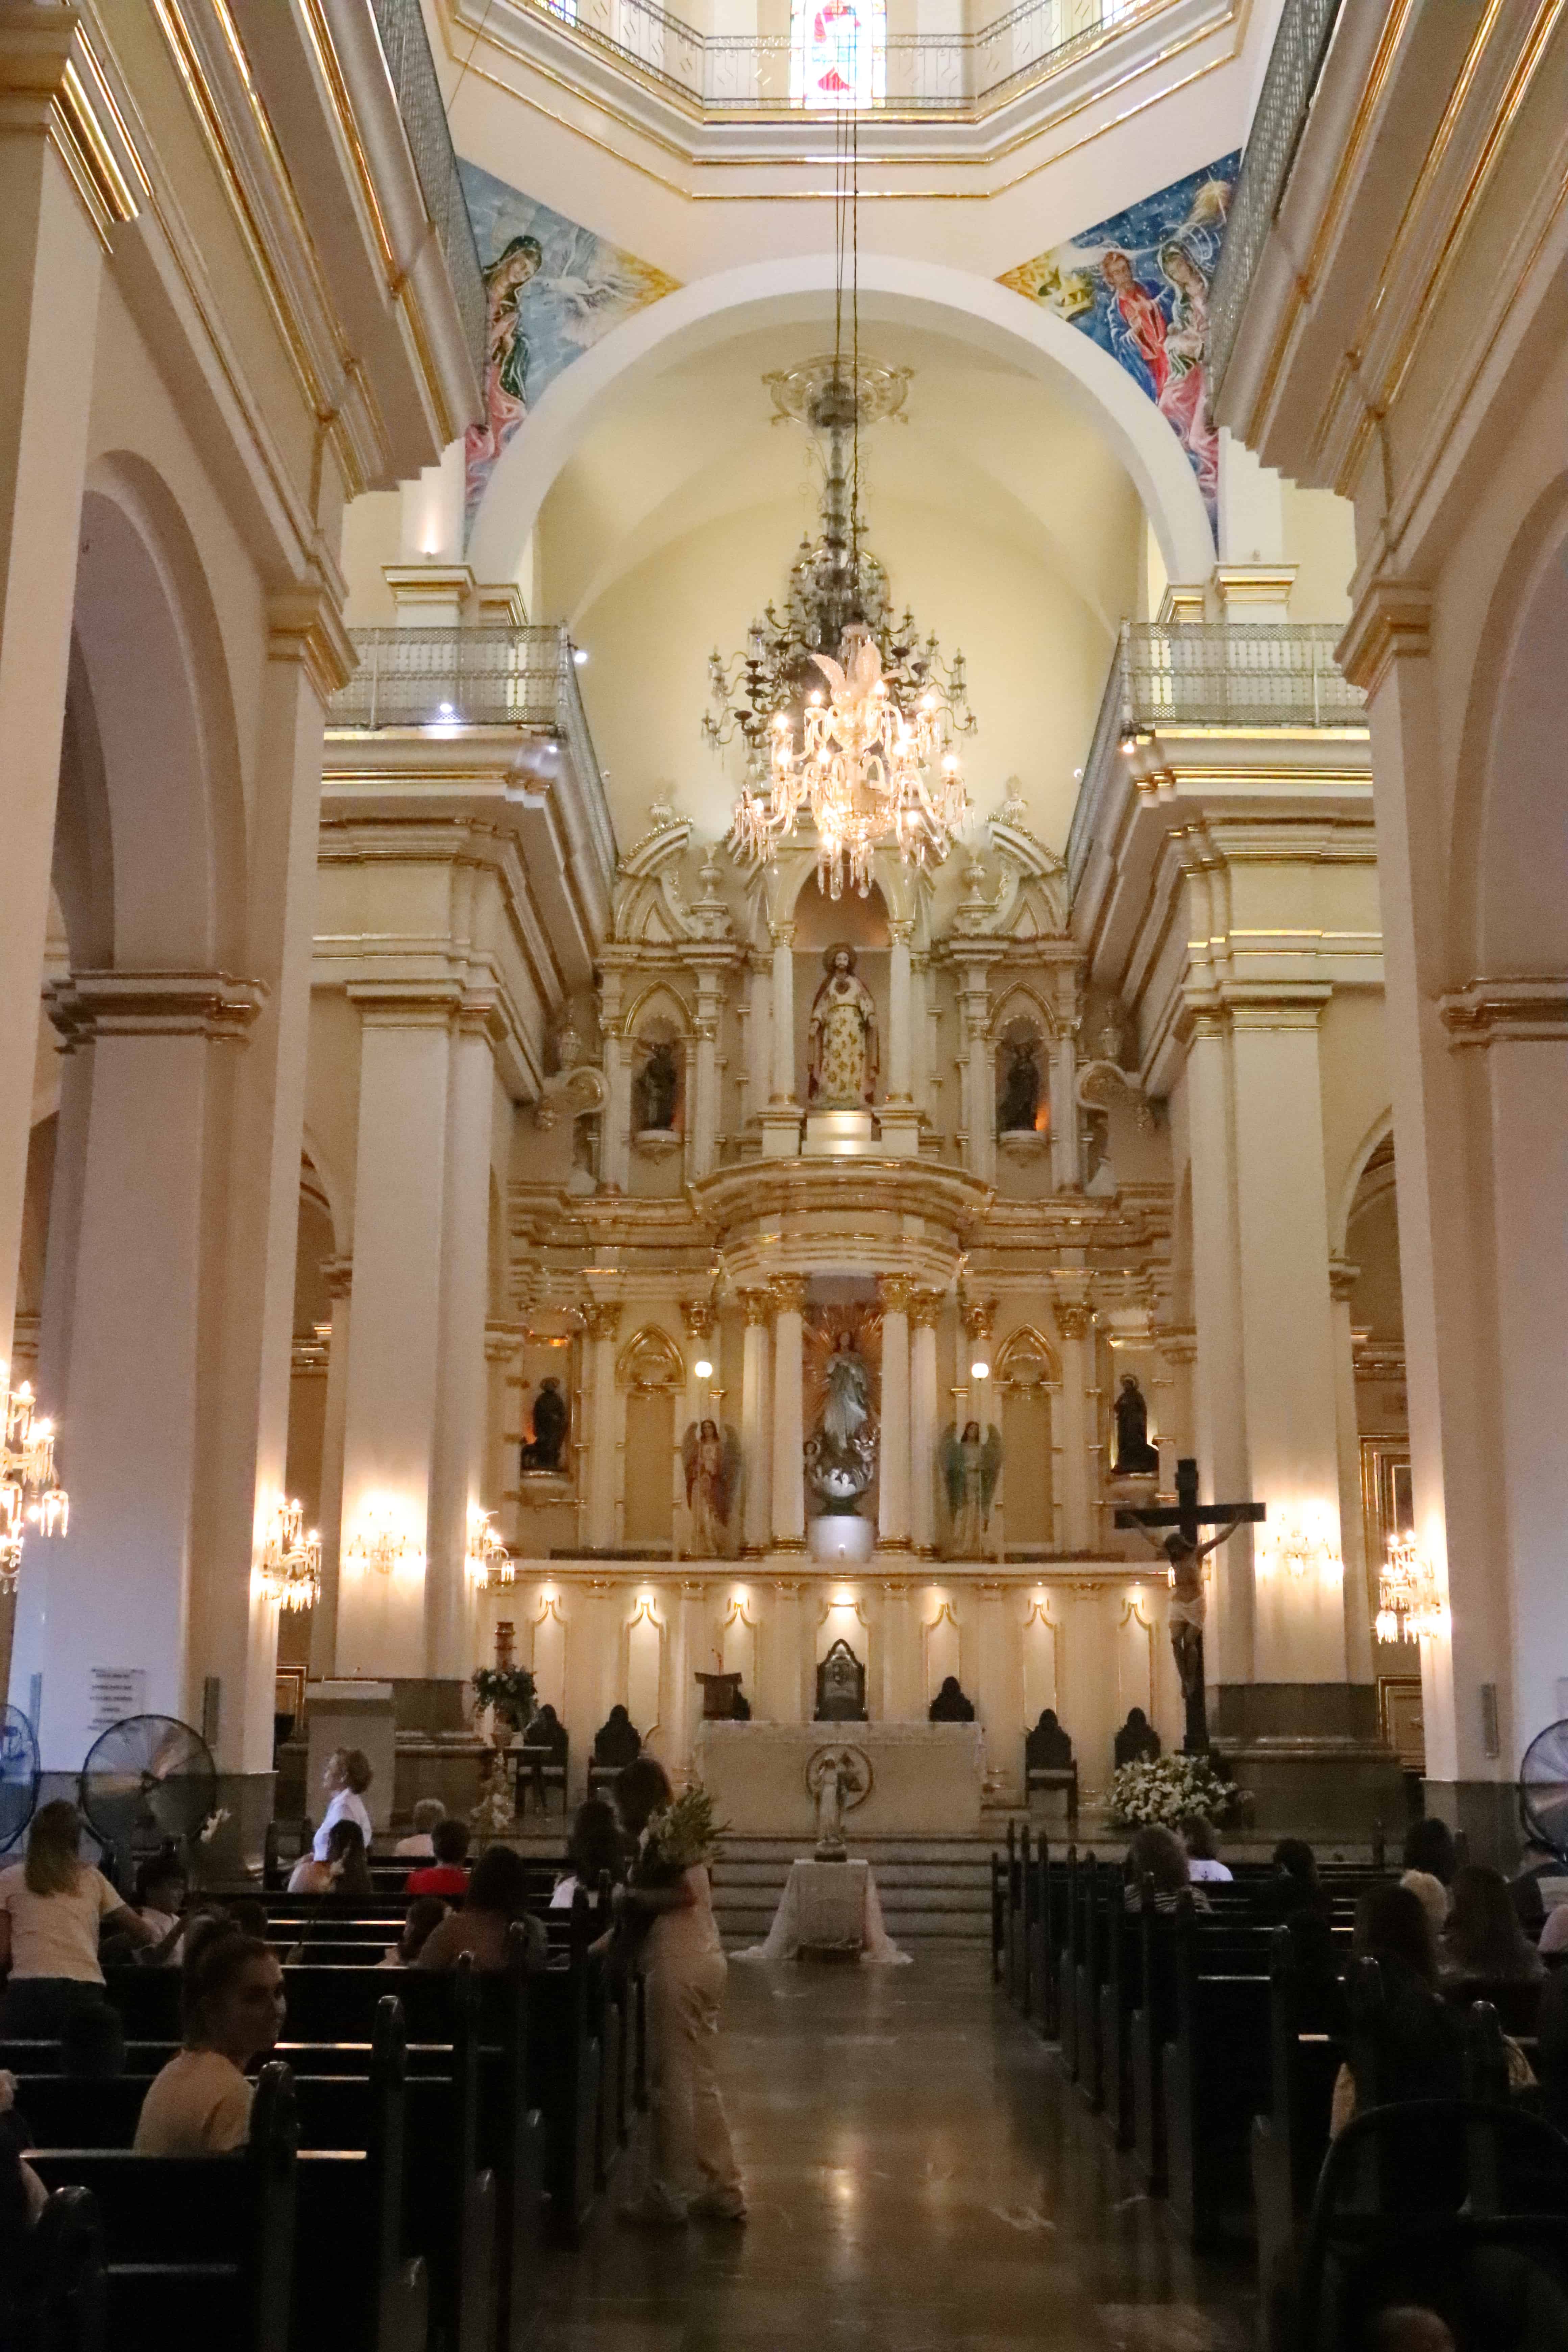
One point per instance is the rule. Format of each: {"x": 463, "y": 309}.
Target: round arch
{"x": 731, "y": 301}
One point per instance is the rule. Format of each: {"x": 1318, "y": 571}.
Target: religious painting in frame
{"x": 1138, "y": 285}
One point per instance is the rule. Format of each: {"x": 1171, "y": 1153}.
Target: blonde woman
{"x": 52, "y": 1910}
{"x": 347, "y": 1776}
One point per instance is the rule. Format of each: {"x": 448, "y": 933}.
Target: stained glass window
{"x": 838, "y": 53}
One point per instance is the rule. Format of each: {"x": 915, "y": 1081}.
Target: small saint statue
{"x": 710, "y": 1459}
{"x": 543, "y": 1450}
{"x": 1018, "y": 1107}
{"x": 841, "y": 1452}
{"x": 833, "y": 1777}
{"x": 971, "y": 1465}
{"x": 1135, "y": 1457}
{"x": 658, "y": 1082}
{"x": 842, "y": 1037}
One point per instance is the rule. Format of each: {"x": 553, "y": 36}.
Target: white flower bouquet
{"x": 682, "y": 1834}
{"x": 1168, "y": 1789}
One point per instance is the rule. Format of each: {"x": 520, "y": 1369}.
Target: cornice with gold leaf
{"x": 51, "y": 81}
{"x": 304, "y": 624}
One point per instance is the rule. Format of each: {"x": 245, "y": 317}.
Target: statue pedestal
{"x": 843, "y": 1536}
{"x": 839, "y": 1134}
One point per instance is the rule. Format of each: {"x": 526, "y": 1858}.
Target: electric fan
{"x": 148, "y": 1783}
{"x": 18, "y": 1775}
{"x": 1543, "y": 1788}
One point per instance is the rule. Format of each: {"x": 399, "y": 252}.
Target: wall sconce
{"x": 488, "y": 1560}
{"x": 1408, "y": 1601}
{"x": 979, "y": 1370}
{"x": 703, "y": 1368}
{"x": 1301, "y": 1548}
{"x": 291, "y": 1558}
{"x": 380, "y": 1543}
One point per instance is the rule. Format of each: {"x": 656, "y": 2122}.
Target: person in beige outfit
{"x": 692, "y": 2172}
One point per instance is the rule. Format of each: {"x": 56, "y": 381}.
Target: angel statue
{"x": 841, "y": 1452}
{"x": 971, "y": 1465}
{"x": 711, "y": 1460}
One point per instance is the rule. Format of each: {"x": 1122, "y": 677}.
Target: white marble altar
{"x": 926, "y": 1778}
{"x": 829, "y": 1906}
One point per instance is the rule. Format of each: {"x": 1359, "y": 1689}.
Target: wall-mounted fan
{"x": 1543, "y": 1788}
{"x": 149, "y": 1781}
{"x": 18, "y": 1775}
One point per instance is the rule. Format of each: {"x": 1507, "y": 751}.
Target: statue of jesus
{"x": 1189, "y": 1607}
{"x": 842, "y": 1037}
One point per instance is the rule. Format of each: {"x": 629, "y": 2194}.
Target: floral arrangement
{"x": 508, "y": 1690}
{"x": 683, "y": 1833}
{"x": 1169, "y": 1790}
{"x": 492, "y": 1815}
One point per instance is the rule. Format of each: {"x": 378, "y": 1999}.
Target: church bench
{"x": 52, "y": 2288}
{"x": 1097, "y": 1883}
{"x": 1214, "y": 2074}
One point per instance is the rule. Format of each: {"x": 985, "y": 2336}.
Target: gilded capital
{"x": 757, "y": 1306}
{"x": 896, "y": 1291}
{"x": 602, "y": 1318}
{"x": 788, "y": 1292}
{"x": 697, "y": 1315}
{"x": 925, "y": 1309}
{"x": 979, "y": 1314}
{"x": 1073, "y": 1318}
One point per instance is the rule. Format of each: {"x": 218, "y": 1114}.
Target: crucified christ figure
{"x": 1188, "y": 1607}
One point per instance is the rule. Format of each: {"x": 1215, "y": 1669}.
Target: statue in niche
{"x": 1018, "y": 1104}
{"x": 657, "y": 1085}
{"x": 542, "y": 1451}
{"x": 711, "y": 1461}
{"x": 838, "y": 1779}
{"x": 841, "y": 1452}
{"x": 841, "y": 1037}
{"x": 971, "y": 1465}
{"x": 840, "y": 1686}
{"x": 1135, "y": 1457}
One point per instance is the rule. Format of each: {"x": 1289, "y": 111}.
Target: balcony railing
{"x": 721, "y": 74}
{"x": 407, "y": 48}
{"x": 489, "y": 677}
{"x": 1206, "y": 674}
{"x": 1295, "y": 62}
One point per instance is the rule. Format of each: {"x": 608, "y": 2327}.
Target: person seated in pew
{"x": 1204, "y": 1865}
{"x": 1294, "y": 1898}
{"x": 53, "y": 1906}
{"x": 1433, "y": 1896}
{"x": 163, "y": 1892}
{"x": 425, "y": 1914}
{"x": 594, "y": 1851}
{"x": 419, "y": 1846}
{"x": 448, "y": 1872}
{"x": 231, "y": 2008}
{"x": 1482, "y": 1941}
{"x": 496, "y": 1900}
{"x": 345, "y": 1870}
{"x": 346, "y": 1776}
{"x": 1158, "y": 1853}
{"x": 1429, "y": 1847}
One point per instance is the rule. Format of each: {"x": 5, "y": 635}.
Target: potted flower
{"x": 1169, "y": 1790}
{"x": 508, "y": 1691}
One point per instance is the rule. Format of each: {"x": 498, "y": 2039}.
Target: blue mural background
{"x": 1137, "y": 284}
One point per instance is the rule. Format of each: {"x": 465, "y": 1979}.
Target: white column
{"x": 1075, "y": 1329}
{"x": 616, "y": 1130}
{"x": 602, "y": 1318}
{"x": 1358, "y": 1602}
{"x": 51, "y": 263}
{"x": 456, "y": 1464}
{"x": 979, "y": 1105}
{"x": 925, "y": 1421}
{"x": 997, "y": 1692}
{"x": 893, "y": 1483}
{"x": 788, "y": 1474}
{"x": 759, "y": 1034}
{"x": 784, "y": 1013}
{"x": 755, "y": 1421}
{"x": 1221, "y": 1396}
{"x": 900, "y": 1117}
{"x": 339, "y": 1276}
{"x": 1066, "y": 1157}
{"x": 705, "y": 1076}
{"x": 394, "y": 1344}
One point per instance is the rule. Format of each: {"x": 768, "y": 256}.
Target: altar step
{"x": 934, "y": 1891}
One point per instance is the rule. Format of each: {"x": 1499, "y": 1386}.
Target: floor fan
{"x": 18, "y": 1776}
{"x": 149, "y": 1782}
{"x": 1543, "y": 1788}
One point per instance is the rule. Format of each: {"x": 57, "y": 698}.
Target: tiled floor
{"x": 920, "y": 2177}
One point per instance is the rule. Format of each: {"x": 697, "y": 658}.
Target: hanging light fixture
{"x": 1408, "y": 1601}
{"x": 30, "y": 1495}
{"x": 848, "y": 718}
{"x": 291, "y": 1559}
{"x": 489, "y": 1562}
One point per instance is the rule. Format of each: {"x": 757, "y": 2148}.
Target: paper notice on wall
{"x": 115, "y": 1692}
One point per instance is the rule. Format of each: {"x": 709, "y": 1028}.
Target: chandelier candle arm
{"x": 30, "y": 1493}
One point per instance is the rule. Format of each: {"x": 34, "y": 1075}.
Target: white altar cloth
{"x": 829, "y": 1906}
{"x": 927, "y": 1778}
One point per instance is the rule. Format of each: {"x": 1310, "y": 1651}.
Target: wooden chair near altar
{"x": 1050, "y": 1764}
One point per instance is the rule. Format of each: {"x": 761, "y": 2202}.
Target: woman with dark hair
{"x": 595, "y": 1850}
{"x": 1429, "y": 1847}
{"x": 1156, "y": 1852}
{"x": 692, "y": 2172}
{"x": 1483, "y": 1939}
{"x": 231, "y": 2005}
{"x": 52, "y": 1910}
{"x": 1204, "y": 1865}
{"x": 1416, "y": 2037}
{"x": 343, "y": 1871}
{"x": 496, "y": 1900}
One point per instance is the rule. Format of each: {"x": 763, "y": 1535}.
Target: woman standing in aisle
{"x": 52, "y": 1908}
{"x": 692, "y": 2172}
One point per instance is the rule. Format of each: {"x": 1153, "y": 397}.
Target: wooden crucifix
{"x": 1182, "y": 1549}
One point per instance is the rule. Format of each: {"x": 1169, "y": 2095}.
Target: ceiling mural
{"x": 1138, "y": 285}
{"x": 552, "y": 289}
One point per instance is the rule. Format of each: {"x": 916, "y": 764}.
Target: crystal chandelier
{"x": 1408, "y": 1601}
{"x": 291, "y": 1559}
{"x": 30, "y": 1495}
{"x": 489, "y": 1562}
{"x": 848, "y": 716}
{"x": 380, "y": 1543}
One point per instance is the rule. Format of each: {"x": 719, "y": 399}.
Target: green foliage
{"x": 685, "y": 1832}
{"x": 509, "y": 1691}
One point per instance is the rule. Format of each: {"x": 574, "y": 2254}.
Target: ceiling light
{"x": 979, "y": 1370}
{"x": 703, "y": 1368}
{"x": 579, "y": 656}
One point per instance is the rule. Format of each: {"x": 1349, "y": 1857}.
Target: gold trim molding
{"x": 51, "y": 81}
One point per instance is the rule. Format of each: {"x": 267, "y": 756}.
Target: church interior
{"x": 782, "y": 953}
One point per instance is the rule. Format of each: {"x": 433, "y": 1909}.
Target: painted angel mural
{"x": 971, "y": 1465}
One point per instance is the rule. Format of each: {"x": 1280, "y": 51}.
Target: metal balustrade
{"x": 715, "y": 74}
{"x": 1295, "y": 62}
{"x": 1204, "y": 674}
{"x": 406, "y": 47}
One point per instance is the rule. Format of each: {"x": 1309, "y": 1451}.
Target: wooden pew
{"x": 1214, "y": 2074}
{"x": 53, "y": 2295}
{"x": 1307, "y": 2045}
{"x": 1092, "y": 1882}
{"x": 1066, "y": 1968}
{"x": 197, "y": 2247}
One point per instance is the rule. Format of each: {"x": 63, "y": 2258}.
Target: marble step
{"x": 888, "y": 1875}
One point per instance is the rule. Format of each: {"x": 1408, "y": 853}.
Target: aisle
{"x": 920, "y": 2179}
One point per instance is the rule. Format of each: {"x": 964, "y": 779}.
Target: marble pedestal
{"x": 926, "y": 1778}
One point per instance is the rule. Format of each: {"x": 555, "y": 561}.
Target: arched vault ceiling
{"x": 984, "y": 444}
